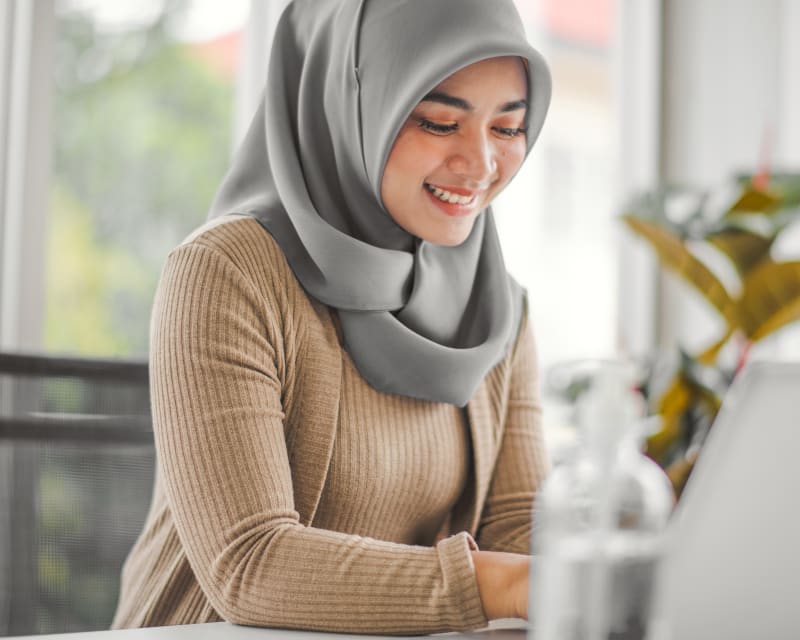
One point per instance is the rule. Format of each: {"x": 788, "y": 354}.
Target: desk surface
{"x": 510, "y": 629}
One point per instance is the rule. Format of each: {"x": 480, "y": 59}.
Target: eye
{"x": 438, "y": 129}
{"x": 509, "y": 132}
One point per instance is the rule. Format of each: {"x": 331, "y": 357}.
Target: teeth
{"x": 447, "y": 196}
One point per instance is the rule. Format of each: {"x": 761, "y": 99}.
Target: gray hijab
{"x": 418, "y": 319}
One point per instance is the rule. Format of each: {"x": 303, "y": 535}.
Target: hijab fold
{"x": 418, "y": 319}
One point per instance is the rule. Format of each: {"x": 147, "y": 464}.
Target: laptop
{"x": 732, "y": 567}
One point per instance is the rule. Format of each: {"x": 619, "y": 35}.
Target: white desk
{"x": 510, "y": 629}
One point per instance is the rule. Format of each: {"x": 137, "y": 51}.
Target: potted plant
{"x": 742, "y": 228}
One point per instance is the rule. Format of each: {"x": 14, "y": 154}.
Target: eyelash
{"x": 442, "y": 129}
{"x": 437, "y": 128}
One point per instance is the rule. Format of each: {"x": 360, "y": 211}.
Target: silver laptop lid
{"x": 732, "y": 569}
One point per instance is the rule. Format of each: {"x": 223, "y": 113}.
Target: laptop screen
{"x": 732, "y": 569}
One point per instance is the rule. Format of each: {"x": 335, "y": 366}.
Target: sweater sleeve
{"x": 522, "y": 461}
{"x": 219, "y": 428}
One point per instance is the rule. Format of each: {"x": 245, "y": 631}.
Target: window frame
{"x": 27, "y": 31}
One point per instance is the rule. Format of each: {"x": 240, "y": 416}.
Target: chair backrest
{"x": 76, "y": 472}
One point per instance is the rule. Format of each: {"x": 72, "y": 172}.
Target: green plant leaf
{"x": 754, "y": 200}
{"x": 786, "y": 186}
{"x": 709, "y": 356}
{"x": 659, "y": 444}
{"x": 743, "y": 247}
{"x": 692, "y": 399}
{"x": 675, "y": 256}
{"x": 676, "y": 398}
{"x": 770, "y": 298}
{"x": 671, "y": 406}
{"x": 680, "y": 470}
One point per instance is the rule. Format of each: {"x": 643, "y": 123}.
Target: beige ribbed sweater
{"x": 289, "y": 493}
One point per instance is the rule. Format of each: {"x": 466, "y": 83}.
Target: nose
{"x": 474, "y": 157}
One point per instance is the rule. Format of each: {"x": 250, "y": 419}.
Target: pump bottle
{"x": 599, "y": 525}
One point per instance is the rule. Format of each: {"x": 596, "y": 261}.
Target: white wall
{"x": 788, "y": 138}
{"x": 722, "y": 84}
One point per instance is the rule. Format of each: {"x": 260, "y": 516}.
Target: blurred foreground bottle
{"x": 599, "y": 522}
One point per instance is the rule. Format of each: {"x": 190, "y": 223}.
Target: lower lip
{"x": 452, "y": 209}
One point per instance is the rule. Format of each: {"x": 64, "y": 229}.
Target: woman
{"x": 342, "y": 371}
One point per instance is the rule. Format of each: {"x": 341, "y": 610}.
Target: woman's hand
{"x": 502, "y": 583}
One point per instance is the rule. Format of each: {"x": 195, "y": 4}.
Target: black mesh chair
{"x": 76, "y": 472}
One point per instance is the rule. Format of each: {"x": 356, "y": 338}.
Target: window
{"x": 116, "y": 126}
{"x": 556, "y": 219}
{"x": 143, "y": 109}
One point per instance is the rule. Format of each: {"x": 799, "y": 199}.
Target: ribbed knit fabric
{"x": 289, "y": 493}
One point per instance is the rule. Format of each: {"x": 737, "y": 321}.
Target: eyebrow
{"x": 460, "y": 103}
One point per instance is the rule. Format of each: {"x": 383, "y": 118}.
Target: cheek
{"x": 511, "y": 158}
{"x": 414, "y": 155}
{"x": 401, "y": 170}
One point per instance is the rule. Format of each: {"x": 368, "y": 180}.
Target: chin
{"x": 445, "y": 233}
{"x": 447, "y": 239}
{"x": 450, "y": 242}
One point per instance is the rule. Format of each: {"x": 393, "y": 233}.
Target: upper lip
{"x": 457, "y": 190}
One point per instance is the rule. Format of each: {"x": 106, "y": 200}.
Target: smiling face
{"x": 457, "y": 150}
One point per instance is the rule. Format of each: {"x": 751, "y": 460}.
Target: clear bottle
{"x": 599, "y": 523}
